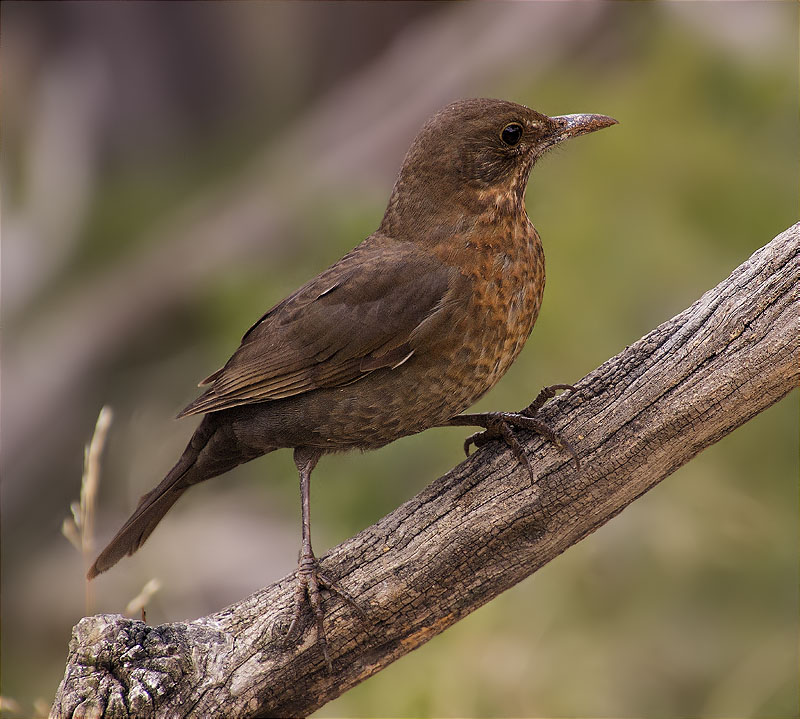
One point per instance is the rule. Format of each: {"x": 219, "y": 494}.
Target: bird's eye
{"x": 511, "y": 134}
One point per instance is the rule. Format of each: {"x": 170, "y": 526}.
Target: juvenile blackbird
{"x": 403, "y": 333}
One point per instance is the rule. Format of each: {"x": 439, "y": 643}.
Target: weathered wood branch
{"x": 474, "y": 532}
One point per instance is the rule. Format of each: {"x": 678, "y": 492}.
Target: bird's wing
{"x": 365, "y": 312}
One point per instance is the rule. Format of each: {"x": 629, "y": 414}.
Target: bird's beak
{"x": 568, "y": 126}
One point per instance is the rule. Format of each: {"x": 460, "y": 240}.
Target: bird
{"x": 402, "y": 334}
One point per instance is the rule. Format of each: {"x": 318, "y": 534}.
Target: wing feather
{"x": 362, "y": 314}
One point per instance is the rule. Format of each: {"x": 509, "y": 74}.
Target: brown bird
{"x": 403, "y": 333}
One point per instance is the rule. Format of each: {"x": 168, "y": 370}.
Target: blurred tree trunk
{"x": 474, "y": 532}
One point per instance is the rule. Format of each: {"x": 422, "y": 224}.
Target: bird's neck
{"x": 432, "y": 213}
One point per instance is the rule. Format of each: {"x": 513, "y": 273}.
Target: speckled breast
{"x": 507, "y": 275}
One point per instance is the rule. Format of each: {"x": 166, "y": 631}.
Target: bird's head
{"x": 474, "y": 149}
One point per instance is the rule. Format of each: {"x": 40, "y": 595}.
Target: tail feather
{"x": 211, "y": 451}
{"x": 150, "y": 511}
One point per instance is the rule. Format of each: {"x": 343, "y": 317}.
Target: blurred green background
{"x": 169, "y": 171}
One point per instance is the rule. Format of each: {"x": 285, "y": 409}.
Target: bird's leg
{"x": 498, "y": 425}
{"x": 310, "y": 580}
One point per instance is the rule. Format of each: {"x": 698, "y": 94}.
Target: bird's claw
{"x": 499, "y": 425}
{"x": 479, "y": 439}
{"x": 310, "y": 584}
{"x": 500, "y": 428}
{"x": 546, "y": 393}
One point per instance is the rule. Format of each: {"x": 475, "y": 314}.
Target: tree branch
{"x": 474, "y": 532}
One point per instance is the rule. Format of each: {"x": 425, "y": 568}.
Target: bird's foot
{"x": 499, "y": 425}
{"x": 311, "y": 582}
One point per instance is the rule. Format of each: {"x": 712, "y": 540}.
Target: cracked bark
{"x": 474, "y": 532}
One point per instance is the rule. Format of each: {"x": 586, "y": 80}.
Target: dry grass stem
{"x": 79, "y": 528}
{"x": 139, "y": 602}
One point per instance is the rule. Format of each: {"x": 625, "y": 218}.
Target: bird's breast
{"x": 503, "y": 264}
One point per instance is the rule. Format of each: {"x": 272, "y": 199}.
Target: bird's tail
{"x": 198, "y": 462}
